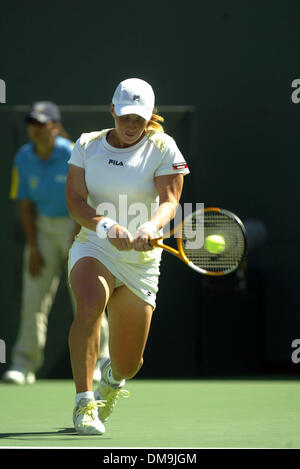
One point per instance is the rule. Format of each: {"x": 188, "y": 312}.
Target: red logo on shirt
{"x": 180, "y": 165}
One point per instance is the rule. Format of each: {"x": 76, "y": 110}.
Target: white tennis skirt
{"x": 141, "y": 279}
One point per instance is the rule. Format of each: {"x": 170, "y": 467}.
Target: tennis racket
{"x": 212, "y": 221}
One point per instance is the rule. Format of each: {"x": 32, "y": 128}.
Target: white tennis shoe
{"x": 85, "y": 417}
{"x": 19, "y": 377}
{"x": 108, "y": 392}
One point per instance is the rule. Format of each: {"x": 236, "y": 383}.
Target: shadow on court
{"x": 39, "y": 435}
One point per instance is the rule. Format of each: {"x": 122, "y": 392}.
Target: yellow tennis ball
{"x": 215, "y": 244}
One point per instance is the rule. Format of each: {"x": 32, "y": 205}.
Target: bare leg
{"x": 92, "y": 285}
{"x": 129, "y": 324}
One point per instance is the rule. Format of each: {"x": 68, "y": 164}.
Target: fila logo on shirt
{"x": 116, "y": 163}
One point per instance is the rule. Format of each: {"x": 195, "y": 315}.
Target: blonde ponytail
{"x": 154, "y": 123}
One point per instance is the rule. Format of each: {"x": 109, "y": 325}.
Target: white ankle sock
{"x": 112, "y": 380}
{"x": 84, "y": 395}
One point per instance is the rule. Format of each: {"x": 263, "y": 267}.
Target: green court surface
{"x": 159, "y": 414}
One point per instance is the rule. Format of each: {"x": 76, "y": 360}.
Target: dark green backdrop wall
{"x": 235, "y": 62}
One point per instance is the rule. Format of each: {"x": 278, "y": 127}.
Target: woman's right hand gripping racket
{"x": 217, "y": 248}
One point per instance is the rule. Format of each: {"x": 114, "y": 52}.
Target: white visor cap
{"x": 134, "y": 96}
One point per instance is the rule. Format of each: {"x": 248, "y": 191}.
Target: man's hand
{"x": 36, "y": 262}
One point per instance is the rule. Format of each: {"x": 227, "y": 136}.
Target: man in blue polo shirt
{"x": 38, "y": 183}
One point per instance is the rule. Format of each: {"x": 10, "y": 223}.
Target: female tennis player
{"x": 115, "y": 174}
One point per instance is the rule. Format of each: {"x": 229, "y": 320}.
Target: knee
{"x": 90, "y": 294}
{"x": 127, "y": 369}
{"x": 89, "y": 312}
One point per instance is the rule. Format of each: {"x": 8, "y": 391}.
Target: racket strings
{"x": 198, "y": 227}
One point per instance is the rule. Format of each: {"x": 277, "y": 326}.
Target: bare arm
{"x": 169, "y": 188}
{"x": 75, "y": 232}
{"x": 28, "y": 218}
{"x": 76, "y": 197}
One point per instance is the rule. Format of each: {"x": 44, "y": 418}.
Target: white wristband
{"x": 103, "y": 226}
{"x": 150, "y": 227}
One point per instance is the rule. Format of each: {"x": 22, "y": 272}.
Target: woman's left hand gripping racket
{"x": 217, "y": 248}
